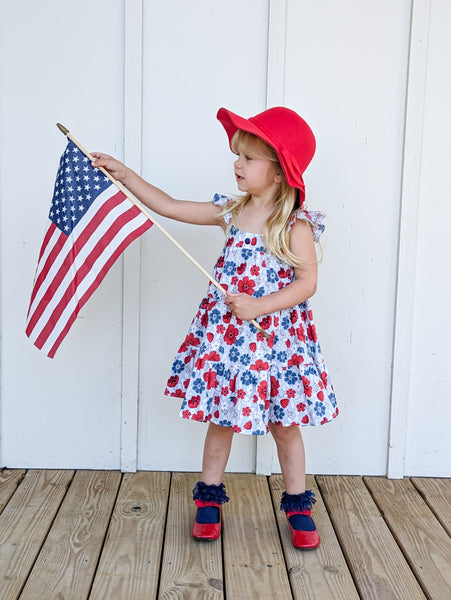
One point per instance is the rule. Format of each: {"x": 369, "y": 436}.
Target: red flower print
{"x": 262, "y": 389}
{"x": 216, "y": 414}
{"x": 246, "y": 286}
{"x": 210, "y": 379}
{"x": 186, "y": 414}
{"x": 300, "y": 407}
{"x": 232, "y": 384}
{"x": 190, "y": 340}
{"x": 227, "y": 317}
{"x": 324, "y": 378}
{"x": 210, "y": 337}
{"x": 253, "y": 241}
{"x": 172, "y": 382}
{"x": 311, "y": 332}
{"x": 234, "y": 280}
{"x": 225, "y": 391}
{"x": 310, "y": 315}
{"x": 229, "y": 242}
{"x": 281, "y": 285}
{"x": 220, "y": 329}
{"x": 305, "y": 419}
{"x": 241, "y": 268}
{"x": 284, "y": 402}
{"x": 246, "y": 411}
{"x": 296, "y": 360}
{"x": 230, "y": 335}
{"x": 267, "y": 404}
{"x": 320, "y": 396}
{"x": 255, "y": 398}
{"x": 291, "y": 393}
{"x": 265, "y": 323}
{"x": 178, "y": 393}
{"x": 248, "y": 425}
{"x": 236, "y": 429}
{"x": 288, "y": 343}
{"x": 217, "y": 400}
{"x": 220, "y": 262}
{"x": 252, "y": 346}
{"x": 323, "y": 421}
{"x": 259, "y": 365}
{"x": 300, "y": 334}
{"x": 241, "y": 394}
{"x": 293, "y": 316}
{"x": 270, "y": 340}
{"x": 204, "y": 319}
{"x": 304, "y": 315}
{"x": 255, "y": 270}
{"x": 199, "y": 416}
{"x": 307, "y": 387}
{"x": 274, "y": 386}
{"x": 335, "y": 413}
{"x": 194, "y": 402}
{"x": 276, "y": 321}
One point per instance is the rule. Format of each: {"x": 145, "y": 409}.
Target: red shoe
{"x": 207, "y": 524}
{"x": 303, "y": 529}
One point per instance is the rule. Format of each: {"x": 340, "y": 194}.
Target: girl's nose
{"x": 237, "y": 163}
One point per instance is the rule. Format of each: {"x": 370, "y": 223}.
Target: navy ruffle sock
{"x": 208, "y": 499}
{"x": 297, "y": 508}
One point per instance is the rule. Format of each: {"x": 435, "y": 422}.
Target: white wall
{"x": 347, "y": 68}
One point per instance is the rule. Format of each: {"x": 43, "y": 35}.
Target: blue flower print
{"x": 259, "y": 293}
{"x": 291, "y": 377}
{"x": 285, "y": 323}
{"x": 229, "y": 267}
{"x": 215, "y": 316}
{"x": 248, "y": 378}
{"x": 234, "y": 354}
{"x": 178, "y": 366}
{"x": 245, "y": 253}
{"x": 320, "y": 409}
{"x": 245, "y": 360}
{"x": 199, "y": 385}
{"x": 279, "y": 413}
{"x": 282, "y": 356}
{"x": 258, "y": 432}
{"x": 225, "y": 423}
{"x": 239, "y": 341}
{"x": 271, "y": 276}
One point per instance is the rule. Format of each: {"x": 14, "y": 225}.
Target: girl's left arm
{"x": 299, "y": 290}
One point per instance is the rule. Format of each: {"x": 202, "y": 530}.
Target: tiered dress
{"x": 228, "y": 372}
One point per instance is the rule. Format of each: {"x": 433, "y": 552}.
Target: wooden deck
{"x": 106, "y": 536}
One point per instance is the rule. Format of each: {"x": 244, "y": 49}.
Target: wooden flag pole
{"x": 124, "y": 190}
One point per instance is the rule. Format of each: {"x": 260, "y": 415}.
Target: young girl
{"x": 228, "y": 373}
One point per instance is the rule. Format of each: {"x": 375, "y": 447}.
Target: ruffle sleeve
{"x": 315, "y": 218}
{"x": 222, "y": 201}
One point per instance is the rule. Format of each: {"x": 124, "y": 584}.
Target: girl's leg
{"x": 290, "y": 450}
{"x": 218, "y": 443}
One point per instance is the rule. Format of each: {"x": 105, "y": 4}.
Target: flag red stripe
{"x": 82, "y": 271}
{"x": 73, "y": 252}
{"x": 127, "y": 241}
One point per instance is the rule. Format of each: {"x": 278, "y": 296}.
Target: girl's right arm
{"x": 198, "y": 213}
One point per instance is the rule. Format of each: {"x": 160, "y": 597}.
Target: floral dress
{"x": 228, "y": 372}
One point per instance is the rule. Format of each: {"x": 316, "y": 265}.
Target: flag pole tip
{"x": 62, "y": 128}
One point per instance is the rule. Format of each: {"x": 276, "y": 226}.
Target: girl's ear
{"x": 278, "y": 177}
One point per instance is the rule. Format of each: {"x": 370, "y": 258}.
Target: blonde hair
{"x": 275, "y": 233}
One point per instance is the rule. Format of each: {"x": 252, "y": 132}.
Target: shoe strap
{"x": 307, "y": 513}
{"x": 204, "y": 503}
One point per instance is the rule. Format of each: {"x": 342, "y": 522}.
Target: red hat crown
{"x": 282, "y": 129}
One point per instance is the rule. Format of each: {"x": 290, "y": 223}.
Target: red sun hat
{"x": 285, "y": 131}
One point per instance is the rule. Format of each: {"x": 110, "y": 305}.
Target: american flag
{"x": 91, "y": 224}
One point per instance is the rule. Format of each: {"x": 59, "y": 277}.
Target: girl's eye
{"x": 248, "y": 157}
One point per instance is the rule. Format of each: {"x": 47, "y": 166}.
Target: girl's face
{"x": 254, "y": 175}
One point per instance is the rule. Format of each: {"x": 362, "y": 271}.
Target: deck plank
{"x": 437, "y": 493}
{"x": 67, "y": 562}
{"x": 24, "y": 524}
{"x": 320, "y": 574}
{"x": 423, "y": 540}
{"x": 130, "y": 562}
{"x": 254, "y": 565}
{"x": 9, "y": 480}
{"x": 378, "y": 566}
{"x": 190, "y": 569}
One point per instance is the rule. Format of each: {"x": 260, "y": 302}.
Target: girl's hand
{"x": 117, "y": 169}
{"x": 242, "y": 306}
